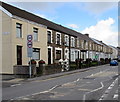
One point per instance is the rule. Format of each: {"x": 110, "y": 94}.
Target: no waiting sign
{"x": 29, "y": 45}
{"x": 29, "y": 37}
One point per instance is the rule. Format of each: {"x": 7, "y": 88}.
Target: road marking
{"x": 84, "y": 96}
{"x": 70, "y": 74}
{"x": 15, "y": 85}
{"x": 71, "y": 82}
{"x": 88, "y": 82}
{"x": 22, "y": 97}
{"x": 84, "y": 89}
{"x": 108, "y": 90}
{"x": 109, "y": 87}
{"x": 115, "y": 96}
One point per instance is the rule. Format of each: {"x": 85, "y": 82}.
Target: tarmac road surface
{"x": 98, "y": 83}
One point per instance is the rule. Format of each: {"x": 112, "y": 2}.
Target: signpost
{"x": 29, "y": 50}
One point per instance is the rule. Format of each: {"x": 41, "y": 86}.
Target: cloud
{"x": 104, "y": 31}
{"x": 99, "y": 7}
{"x": 38, "y": 6}
{"x": 74, "y": 26}
{"x": 96, "y": 8}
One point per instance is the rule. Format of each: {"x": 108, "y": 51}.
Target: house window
{"x": 82, "y": 43}
{"x": 58, "y": 38}
{"x": 49, "y": 36}
{"x": 72, "y": 42}
{"x": 36, "y": 53}
{"x": 58, "y": 54}
{"x": 18, "y": 30}
{"x": 86, "y": 45}
{"x": 90, "y": 46}
{"x": 101, "y": 48}
{"x": 78, "y": 43}
{"x": 96, "y": 47}
{"x": 66, "y": 40}
{"x": 35, "y": 34}
{"x": 72, "y": 55}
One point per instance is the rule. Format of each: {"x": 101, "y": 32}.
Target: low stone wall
{"x": 23, "y": 70}
{"x": 52, "y": 69}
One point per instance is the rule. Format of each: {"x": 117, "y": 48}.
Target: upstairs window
{"x": 18, "y": 30}
{"x": 35, "y": 34}
{"x": 49, "y": 34}
{"x": 90, "y": 45}
{"x": 86, "y": 45}
{"x": 72, "y": 42}
{"x": 82, "y": 44}
{"x": 58, "y": 38}
{"x": 78, "y": 42}
{"x": 66, "y": 40}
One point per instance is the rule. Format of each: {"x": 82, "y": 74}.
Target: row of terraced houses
{"x": 52, "y": 41}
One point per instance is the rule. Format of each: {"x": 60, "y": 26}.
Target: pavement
{"x": 44, "y": 77}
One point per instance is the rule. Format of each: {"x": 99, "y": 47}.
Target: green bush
{"x": 73, "y": 66}
{"x": 93, "y": 63}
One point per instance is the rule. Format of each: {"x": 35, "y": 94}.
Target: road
{"x": 99, "y": 83}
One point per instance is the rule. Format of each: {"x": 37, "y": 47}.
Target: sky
{"x": 98, "y": 19}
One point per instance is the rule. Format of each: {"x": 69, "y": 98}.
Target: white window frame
{"x": 90, "y": 45}
{"x": 82, "y": 44}
{"x": 51, "y": 34}
{"x": 86, "y": 44}
{"x": 39, "y": 53}
{"x": 66, "y": 56}
{"x": 61, "y": 52}
{"x": 66, "y": 40}
{"x": 56, "y": 37}
{"x": 72, "y": 41}
{"x": 36, "y": 34}
{"x": 78, "y": 42}
{"x": 20, "y": 28}
{"x": 51, "y": 53}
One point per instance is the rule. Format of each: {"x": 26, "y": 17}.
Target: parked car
{"x": 113, "y": 63}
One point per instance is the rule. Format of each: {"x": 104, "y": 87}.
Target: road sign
{"x": 29, "y": 37}
{"x": 29, "y": 45}
{"x": 29, "y": 50}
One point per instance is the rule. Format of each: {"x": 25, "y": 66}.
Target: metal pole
{"x": 30, "y": 68}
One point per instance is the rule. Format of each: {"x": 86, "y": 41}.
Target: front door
{"x": 19, "y": 55}
{"x": 49, "y": 55}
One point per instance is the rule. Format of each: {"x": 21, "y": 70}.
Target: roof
{"x": 114, "y": 47}
{"x": 96, "y": 41}
{"x": 32, "y": 17}
{"x": 50, "y": 25}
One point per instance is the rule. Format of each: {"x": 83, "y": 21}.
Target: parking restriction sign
{"x": 29, "y": 37}
{"x": 29, "y": 45}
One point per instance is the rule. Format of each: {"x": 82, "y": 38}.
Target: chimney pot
{"x": 87, "y": 35}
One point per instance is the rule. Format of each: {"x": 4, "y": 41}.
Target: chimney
{"x": 101, "y": 41}
{"x": 87, "y": 35}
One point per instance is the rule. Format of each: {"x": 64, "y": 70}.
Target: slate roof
{"x": 32, "y": 17}
{"x": 50, "y": 25}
